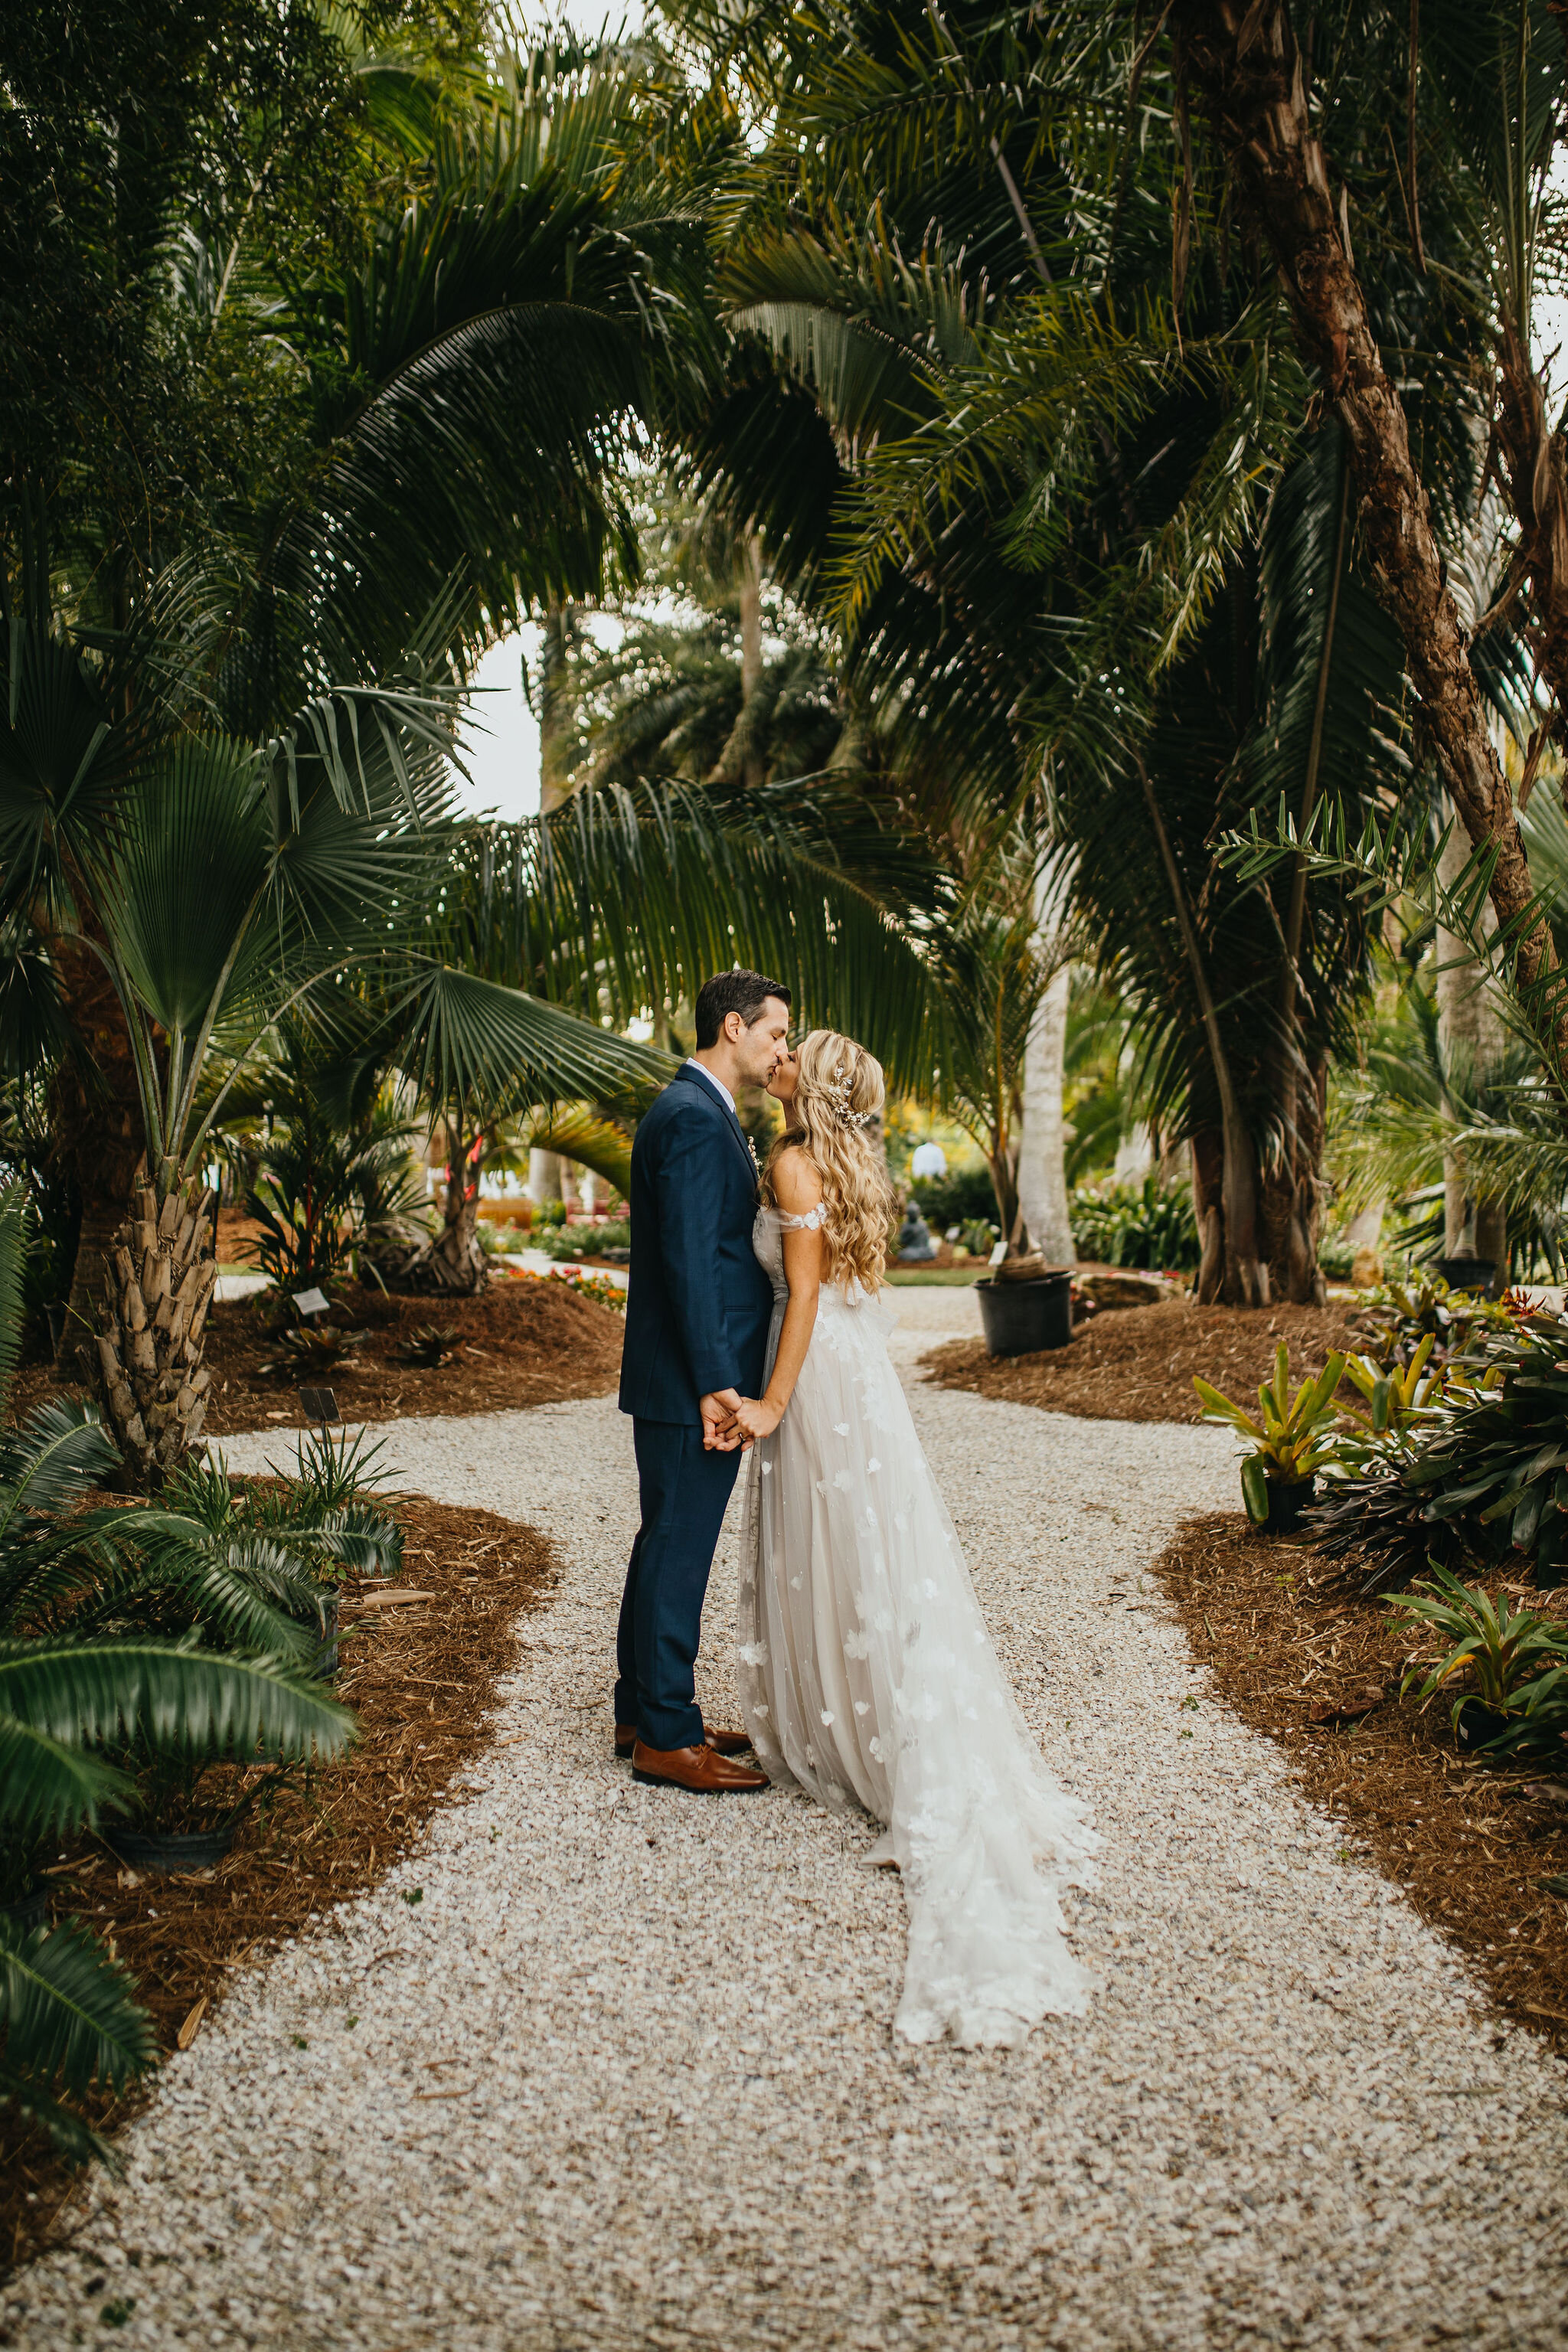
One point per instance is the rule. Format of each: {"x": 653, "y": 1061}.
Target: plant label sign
{"x": 997, "y": 1254}
{"x": 311, "y": 1302}
{"x": 319, "y": 1405}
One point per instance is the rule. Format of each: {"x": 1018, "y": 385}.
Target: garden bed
{"x": 422, "y": 1681}
{"x": 524, "y": 1340}
{"x": 1289, "y": 1643}
{"x": 1137, "y": 1363}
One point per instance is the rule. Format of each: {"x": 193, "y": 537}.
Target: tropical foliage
{"x": 129, "y": 1640}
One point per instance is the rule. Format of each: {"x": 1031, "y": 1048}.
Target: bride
{"x": 866, "y": 1672}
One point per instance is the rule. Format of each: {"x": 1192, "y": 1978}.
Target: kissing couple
{"x": 867, "y": 1677}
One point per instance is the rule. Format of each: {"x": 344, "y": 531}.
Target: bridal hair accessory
{"x": 839, "y": 1091}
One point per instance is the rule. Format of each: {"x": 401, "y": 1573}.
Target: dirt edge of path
{"x": 1289, "y": 1643}
{"x": 422, "y": 1680}
{"x": 1137, "y": 1363}
{"x": 525, "y": 1340}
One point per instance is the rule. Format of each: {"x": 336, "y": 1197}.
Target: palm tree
{"x": 1078, "y": 519}
{"x": 446, "y": 392}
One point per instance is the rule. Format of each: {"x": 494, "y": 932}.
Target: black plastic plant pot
{"x": 1288, "y": 1499}
{"x": 28, "y": 1911}
{"x": 1020, "y": 1318}
{"x": 1475, "y": 1275}
{"x": 1479, "y": 1724}
{"x": 165, "y": 1855}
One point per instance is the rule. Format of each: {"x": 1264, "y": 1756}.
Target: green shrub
{"x": 568, "y": 1242}
{"x": 1149, "y": 1225}
{"x": 1482, "y": 1472}
{"x": 959, "y": 1198}
{"x": 1336, "y": 1256}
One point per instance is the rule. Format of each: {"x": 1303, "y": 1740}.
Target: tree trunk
{"x": 561, "y": 632}
{"x": 1231, "y": 1243}
{"x": 1472, "y": 1037}
{"x": 751, "y": 641}
{"x": 159, "y": 1281}
{"x": 1003, "y": 1167}
{"x": 1291, "y": 1196}
{"x": 1533, "y": 455}
{"x": 1042, "y": 1173}
{"x": 1245, "y": 61}
{"x": 544, "y": 1176}
{"x": 95, "y": 1117}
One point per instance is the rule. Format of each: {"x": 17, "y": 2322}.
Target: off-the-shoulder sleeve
{"x": 812, "y": 1222}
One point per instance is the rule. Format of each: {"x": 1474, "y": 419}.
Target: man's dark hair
{"x": 744, "y": 992}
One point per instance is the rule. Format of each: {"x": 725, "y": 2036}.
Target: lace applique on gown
{"x": 866, "y": 1675}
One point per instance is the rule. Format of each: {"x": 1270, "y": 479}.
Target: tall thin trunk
{"x": 554, "y": 688}
{"x": 1233, "y": 1248}
{"x": 751, "y": 644}
{"x": 1245, "y": 61}
{"x": 1042, "y": 1145}
{"x": 1290, "y": 1187}
{"x": 1472, "y": 1037}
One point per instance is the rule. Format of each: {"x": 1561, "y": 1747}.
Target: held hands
{"x": 718, "y": 1413}
{"x": 729, "y": 1420}
{"x": 756, "y": 1419}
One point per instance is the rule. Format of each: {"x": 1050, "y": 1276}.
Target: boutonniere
{"x": 752, "y": 1149}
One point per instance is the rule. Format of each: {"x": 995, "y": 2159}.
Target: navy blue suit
{"x": 697, "y": 1320}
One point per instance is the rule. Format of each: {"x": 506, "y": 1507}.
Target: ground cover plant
{"x": 1149, "y": 1225}
{"x": 420, "y": 1679}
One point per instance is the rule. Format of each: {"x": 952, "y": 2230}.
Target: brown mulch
{"x": 1137, "y": 1364}
{"x": 1299, "y": 1655}
{"x": 523, "y": 1340}
{"x": 421, "y": 1679}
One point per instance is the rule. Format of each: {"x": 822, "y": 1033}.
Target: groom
{"x": 697, "y": 1329}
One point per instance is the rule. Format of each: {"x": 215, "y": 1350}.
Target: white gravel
{"x": 624, "y": 2076}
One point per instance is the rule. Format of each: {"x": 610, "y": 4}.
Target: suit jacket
{"x": 699, "y": 1304}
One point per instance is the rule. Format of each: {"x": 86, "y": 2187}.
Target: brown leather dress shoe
{"x": 723, "y": 1743}
{"x": 700, "y": 1769}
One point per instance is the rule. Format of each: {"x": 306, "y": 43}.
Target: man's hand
{"x": 718, "y": 1411}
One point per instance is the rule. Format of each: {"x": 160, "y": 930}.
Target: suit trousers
{"x": 684, "y": 1492}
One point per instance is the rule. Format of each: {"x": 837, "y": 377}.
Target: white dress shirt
{"x": 719, "y": 1089}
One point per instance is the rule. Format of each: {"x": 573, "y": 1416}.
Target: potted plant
{"x": 1288, "y": 1439}
{"x": 1026, "y": 1305}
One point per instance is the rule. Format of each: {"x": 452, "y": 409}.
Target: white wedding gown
{"x": 866, "y": 1675}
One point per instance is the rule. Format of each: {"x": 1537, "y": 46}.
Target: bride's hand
{"x": 757, "y": 1418}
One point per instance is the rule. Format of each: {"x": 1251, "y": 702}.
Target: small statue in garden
{"x": 915, "y": 1246}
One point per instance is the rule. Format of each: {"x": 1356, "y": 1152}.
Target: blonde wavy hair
{"x": 838, "y": 1097}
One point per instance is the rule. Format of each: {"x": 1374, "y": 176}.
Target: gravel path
{"x": 623, "y": 2077}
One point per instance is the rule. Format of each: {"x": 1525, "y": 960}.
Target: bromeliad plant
{"x": 1290, "y": 1439}
{"x": 1398, "y": 1318}
{"x": 1515, "y": 1661}
{"x": 1397, "y": 1398}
